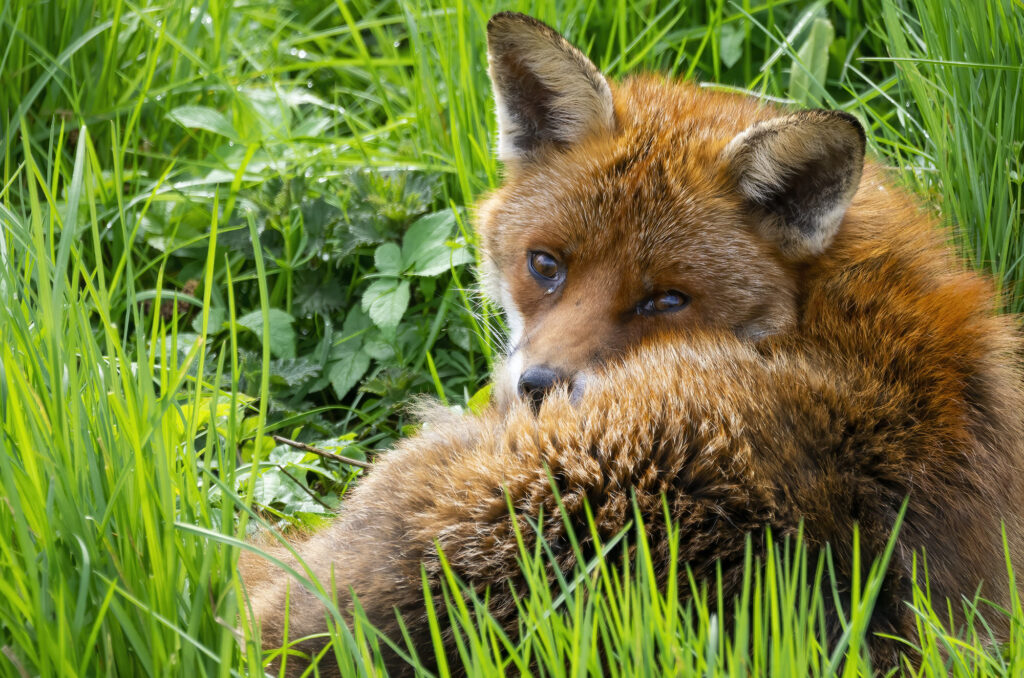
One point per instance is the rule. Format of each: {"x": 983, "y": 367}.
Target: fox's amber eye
{"x": 544, "y": 267}
{"x": 663, "y": 302}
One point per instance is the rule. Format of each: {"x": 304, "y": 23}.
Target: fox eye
{"x": 544, "y": 267}
{"x": 663, "y": 302}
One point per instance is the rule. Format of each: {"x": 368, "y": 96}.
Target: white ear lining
{"x": 545, "y": 90}
{"x": 802, "y": 170}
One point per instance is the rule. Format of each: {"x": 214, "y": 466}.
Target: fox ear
{"x": 801, "y": 171}
{"x": 545, "y": 91}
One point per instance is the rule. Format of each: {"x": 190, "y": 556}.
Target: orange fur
{"x": 802, "y": 384}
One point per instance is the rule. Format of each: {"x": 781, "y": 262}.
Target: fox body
{"x": 713, "y": 304}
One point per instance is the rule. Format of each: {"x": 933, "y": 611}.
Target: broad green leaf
{"x": 282, "y": 335}
{"x": 293, "y": 371}
{"x": 312, "y": 126}
{"x": 460, "y": 336}
{"x": 343, "y": 445}
{"x": 272, "y": 118}
{"x": 386, "y": 300}
{"x": 388, "y": 259}
{"x": 427, "y": 245}
{"x": 274, "y": 487}
{"x": 427, "y": 233}
{"x": 375, "y": 290}
{"x": 479, "y": 400}
{"x": 449, "y": 255}
{"x": 214, "y": 322}
{"x": 378, "y": 349}
{"x": 250, "y": 427}
{"x": 730, "y": 44}
{"x": 201, "y": 117}
{"x": 355, "y": 322}
{"x": 268, "y": 487}
{"x": 287, "y": 455}
{"x": 427, "y": 287}
{"x": 345, "y": 347}
{"x": 347, "y": 371}
{"x": 183, "y": 342}
{"x": 807, "y": 77}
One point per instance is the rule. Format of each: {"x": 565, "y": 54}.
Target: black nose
{"x": 535, "y": 383}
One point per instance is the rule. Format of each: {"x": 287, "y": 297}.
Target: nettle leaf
{"x": 319, "y": 217}
{"x": 346, "y": 371}
{"x": 318, "y": 294}
{"x": 360, "y": 231}
{"x": 428, "y": 248}
{"x": 388, "y": 259}
{"x": 293, "y": 371}
{"x": 386, "y": 301}
{"x": 201, "y": 117}
{"x": 282, "y": 335}
{"x": 236, "y": 237}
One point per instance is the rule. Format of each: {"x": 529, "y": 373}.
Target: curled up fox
{"x": 715, "y": 306}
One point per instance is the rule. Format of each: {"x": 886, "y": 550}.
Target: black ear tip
{"x": 501, "y": 17}
{"x": 505, "y": 20}
{"x": 850, "y": 120}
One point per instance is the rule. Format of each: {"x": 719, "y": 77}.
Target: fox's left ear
{"x": 547, "y": 93}
{"x": 801, "y": 172}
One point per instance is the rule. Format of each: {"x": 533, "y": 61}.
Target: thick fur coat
{"x": 729, "y": 312}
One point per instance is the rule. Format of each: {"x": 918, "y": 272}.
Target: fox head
{"x": 644, "y": 207}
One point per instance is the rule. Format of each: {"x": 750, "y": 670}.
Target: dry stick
{"x": 304, "y": 488}
{"x": 322, "y": 452}
{"x": 13, "y": 658}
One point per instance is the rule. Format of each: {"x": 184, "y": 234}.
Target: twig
{"x": 13, "y": 658}
{"x": 304, "y": 488}
{"x": 320, "y": 451}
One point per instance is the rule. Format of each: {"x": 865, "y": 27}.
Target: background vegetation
{"x": 227, "y": 222}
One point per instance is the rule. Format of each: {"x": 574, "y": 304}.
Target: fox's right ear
{"x": 547, "y": 93}
{"x": 800, "y": 172}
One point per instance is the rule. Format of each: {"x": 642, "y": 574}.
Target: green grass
{"x": 213, "y": 221}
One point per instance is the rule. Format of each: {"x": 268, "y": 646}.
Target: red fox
{"x": 716, "y": 306}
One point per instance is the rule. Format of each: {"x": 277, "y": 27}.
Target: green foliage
{"x": 97, "y": 464}
{"x": 619, "y": 616}
{"x": 227, "y": 221}
{"x": 961, "y": 105}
